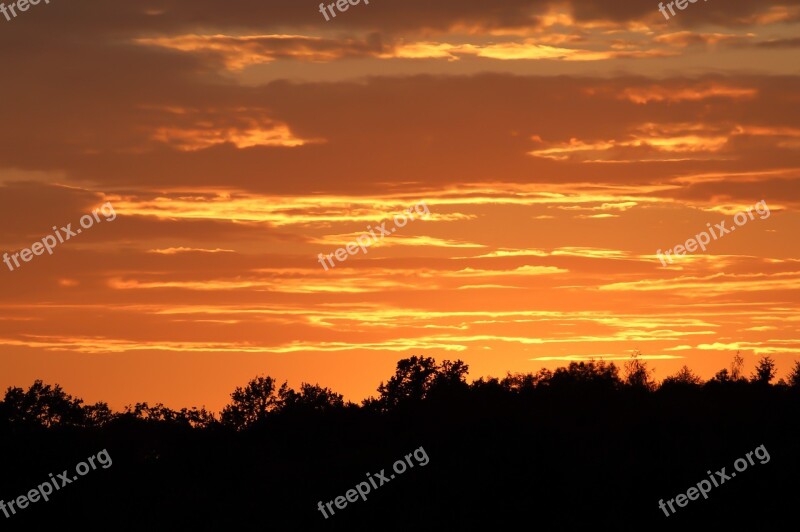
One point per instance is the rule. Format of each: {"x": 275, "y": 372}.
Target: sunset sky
{"x": 557, "y": 145}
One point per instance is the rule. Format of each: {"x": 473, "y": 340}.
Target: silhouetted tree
{"x": 98, "y": 414}
{"x": 520, "y": 383}
{"x": 794, "y": 376}
{"x": 737, "y": 368}
{"x": 722, "y": 376}
{"x": 451, "y": 373}
{"x": 196, "y": 418}
{"x": 145, "y": 412}
{"x": 685, "y": 378}
{"x": 43, "y": 405}
{"x": 419, "y": 378}
{"x": 637, "y": 375}
{"x": 543, "y": 378}
{"x": 251, "y": 403}
{"x": 450, "y": 380}
{"x": 310, "y": 398}
{"x": 158, "y": 413}
{"x": 587, "y": 376}
{"x": 488, "y": 385}
{"x": 765, "y": 371}
{"x": 411, "y": 381}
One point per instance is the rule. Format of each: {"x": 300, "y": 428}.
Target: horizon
{"x": 747, "y": 374}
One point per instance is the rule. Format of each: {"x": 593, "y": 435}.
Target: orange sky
{"x": 558, "y": 145}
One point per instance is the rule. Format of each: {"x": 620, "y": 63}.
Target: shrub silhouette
{"x": 765, "y": 371}
{"x": 637, "y": 375}
{"x": 794, "y": 376}
{"x": 683, "y": 379}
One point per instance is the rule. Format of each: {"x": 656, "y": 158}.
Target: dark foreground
{"x": 577, "y": 448}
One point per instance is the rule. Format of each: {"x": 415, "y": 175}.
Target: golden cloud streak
{"x": 582, "y": 358}
{"x": 193, "y": 139}
{"x": 659, "y": 93}
{"x": 715, "y": 284}
{"x": 528, "y": 50}
{"x": 279, "y": 211}
{"x": 175, "y": 251}
{"x": 655, "y": 142}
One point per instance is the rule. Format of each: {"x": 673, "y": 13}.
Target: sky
{"x": 557, "y": 149}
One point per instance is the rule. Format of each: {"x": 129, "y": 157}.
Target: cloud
{"x": 173, "y": 251}
{"x": 683, "y": 39}
{"x": 584, "y": 358}
{"x": 686, "y": 93}
{"x": 780, "y": 43}
{"x": 238, "y": 52}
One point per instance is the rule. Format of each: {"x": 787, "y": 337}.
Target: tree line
{"x": 417, "y": 380}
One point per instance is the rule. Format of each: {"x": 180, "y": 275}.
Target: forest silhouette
{"x": 586, "y": 444}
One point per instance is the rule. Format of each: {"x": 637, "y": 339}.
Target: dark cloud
{"x": 425, "y": 129}
{"x": 88, "y": 19}
{"x": 780, "y": 43}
